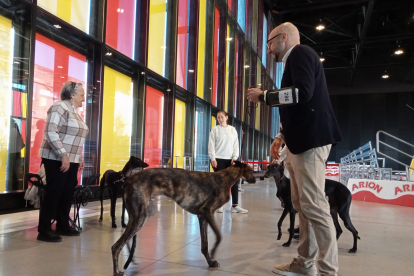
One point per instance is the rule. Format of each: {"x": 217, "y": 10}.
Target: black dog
{"x": 114, "y": 181}
{"x": 339, "y": 200}
{"x": 200, "y": 193}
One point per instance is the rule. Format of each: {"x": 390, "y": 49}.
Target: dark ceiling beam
{"x": 369, "y": 40}
{"x": 340, "y": 27}
{"x": 315, "y": 6}
{"x": 370, "y": 66}
{"x": 325, "y": 30}
{"x": 362, "y": 37}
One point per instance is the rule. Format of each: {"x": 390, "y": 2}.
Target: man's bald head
{"x": 281, "y": 39}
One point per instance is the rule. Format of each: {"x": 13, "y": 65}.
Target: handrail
{"x": 398, "y": 139}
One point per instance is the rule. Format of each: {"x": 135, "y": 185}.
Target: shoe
{"x": 238, "y": 209}
{"x": 220, "y": 210}
{"x": 48, "y": 237}
{"x": 241, "y": 190}
{"x": 68, "y": 232}
{"x": 294, "y": 269}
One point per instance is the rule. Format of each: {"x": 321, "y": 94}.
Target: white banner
{"x": 383, "y": 189}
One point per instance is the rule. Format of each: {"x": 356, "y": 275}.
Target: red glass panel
{"x": 17, "y": 103}
{"x": 182, "y": 37}
{"x": 120, "y": 27}
{"x": 54, "y": 65}
{"x": 153, "y": 127}
{"x": 215, "y": 55}
{"x": 235, "y": 77}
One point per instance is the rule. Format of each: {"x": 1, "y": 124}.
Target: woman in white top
{"x": 223, "y": 150}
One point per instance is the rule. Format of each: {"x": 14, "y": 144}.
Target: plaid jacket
{"x": 64, "y": 134}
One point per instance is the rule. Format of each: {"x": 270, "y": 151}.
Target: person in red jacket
{"x": 309, "y": 130}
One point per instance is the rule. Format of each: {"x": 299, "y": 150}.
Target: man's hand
{"x": 81, "y": 165}
{"x": 253, "y": 94}
{"x": 275, "y": 147}
{"x": 232, "y": 161}
{"x": 65, "y": 164}
{"x": 214, "y": 164}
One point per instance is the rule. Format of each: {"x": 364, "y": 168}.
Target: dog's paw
{"x": 213, "y": 264}
{"x": 278, "y": 237}
{"x": 100, "y": 219}
{"x": 352, "y": 250}
{"x": 119, "y": 273}
{"x": 123, "y": 225}
{"x": 286, "y": 244}
{"x": 114, "y": 225}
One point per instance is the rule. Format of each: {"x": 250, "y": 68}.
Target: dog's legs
{"x": 292, "y": 214}
{"x": 114, "y": 194}
{"x": 138, "y": 210}
{"x": 338, "y": 228}
{"x": 204, "y": 242}
{"x": 279, "y": 223}
{"x": 344, "y": 215}
{"x": 208, "y": 217}
{"x": 123, "y": 210}
{"x": 102, "y": 195}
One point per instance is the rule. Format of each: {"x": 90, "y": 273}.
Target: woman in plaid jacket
{"x": 63, "y": 138}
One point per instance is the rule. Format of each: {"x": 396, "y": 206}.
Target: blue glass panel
{"x": 241, "y": 14}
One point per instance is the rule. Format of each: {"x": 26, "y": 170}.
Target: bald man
{"x": 309, "y": 131}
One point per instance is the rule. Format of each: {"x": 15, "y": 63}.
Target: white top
{"x": 282, "y": 157}
{"x": 223, "y": 143}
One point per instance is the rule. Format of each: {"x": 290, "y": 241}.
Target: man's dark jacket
{"x": 311, "y": 123}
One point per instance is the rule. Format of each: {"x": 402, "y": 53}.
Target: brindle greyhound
{"x": 114, "y": 182}
{"x": 200, "y": 193}
{"x": 339, "y": 201}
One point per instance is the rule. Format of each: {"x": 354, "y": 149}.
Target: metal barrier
{"x": 409, "y": 174}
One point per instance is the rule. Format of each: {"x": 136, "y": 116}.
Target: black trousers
{"x": 221, "y": 165}
{"x": 60, "y": 187}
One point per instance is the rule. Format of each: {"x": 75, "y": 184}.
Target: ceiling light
{"x": 163, "y": 47}
{"x": 60, "y": 67}
{"x": 62, "y": 77}
{"x": 16, "y": 62}
{"x": 246, "y": 66}
{"x": 385, "y": 76}
{"x": 191, "y": 71}
{"x": 98, "y": 81}
{"x": 399, "y": 52}
{"x": 229, "y": 39}
{"x": 168, "y": 90}
{"x": 322, "y": 59}
{"x": 108, "y": 54}
{"x": 120, "y": 10}
{"x": 320, "y": 26}
{"x": 57, "y": 26}
{"x": 142, "y": 73}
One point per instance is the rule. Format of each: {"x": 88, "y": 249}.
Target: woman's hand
{"x": 232, "y": 161}
{"x": 65, "y": 164}
{"x": 214, "y": 164}
{"x": 81, "y": 165}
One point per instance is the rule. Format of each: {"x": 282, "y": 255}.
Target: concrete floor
{"x": 169, "y": 243}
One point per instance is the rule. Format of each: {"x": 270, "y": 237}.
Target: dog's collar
{"x": 122, "y": 179}
{"x": 282, "y": 177}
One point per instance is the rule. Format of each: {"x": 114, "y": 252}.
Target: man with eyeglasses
{"x": 309, "y": 131}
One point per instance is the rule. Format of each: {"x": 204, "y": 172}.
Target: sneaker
{"x": 294, "y": 269}
{"x": 48, "y": 237}
{"x": 220, "y": 210}
{"x": 68, "y": 232}
{"x": 238, "y": 209}
{"x": 241, "y": 190}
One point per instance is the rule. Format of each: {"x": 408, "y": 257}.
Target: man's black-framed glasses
{"x": 267, "y": 42}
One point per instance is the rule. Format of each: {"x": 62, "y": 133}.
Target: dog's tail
{"x": 131, "y": 252}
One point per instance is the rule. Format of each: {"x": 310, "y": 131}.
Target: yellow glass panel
{"x": 179, "y": 132}
{"x": 213, "y": 124}
{"x": 116, "y": 120}
{"x": 226, "y": 91}
{"x": 75, "y": 12}
{"x": 201, "y": 48}
{"x": 6, "y": 57}
{"x": 156, "y": 36}
{"x": 24, "y": 105}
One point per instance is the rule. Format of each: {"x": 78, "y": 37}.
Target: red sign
{"x": 332, "y": 170}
